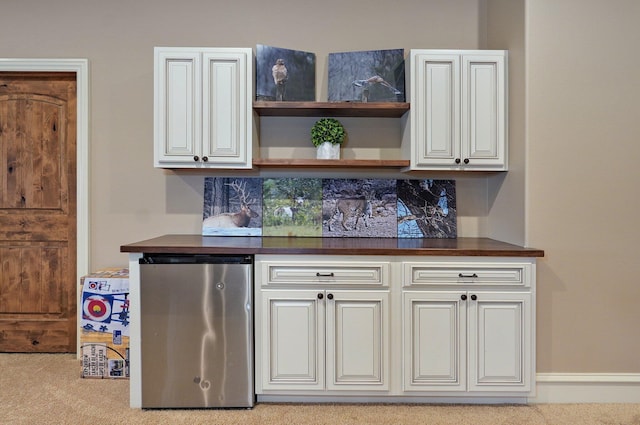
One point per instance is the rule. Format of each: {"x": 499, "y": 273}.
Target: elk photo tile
{"x": 285, "y": 74}
{"x": 232, "y": 207}
{"x": 359, "y": 208}
{"x": 427, "y": 209}
{"x": 292, "y": 207}
{"x": 367, "y": 76}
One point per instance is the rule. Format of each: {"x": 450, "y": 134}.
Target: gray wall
{"x": 573, "y": 128}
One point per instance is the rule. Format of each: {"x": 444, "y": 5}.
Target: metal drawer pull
{"x": 467, "y": 275}
{"x": 324, "y": 274}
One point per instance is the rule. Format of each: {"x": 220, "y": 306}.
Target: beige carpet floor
{"x": 47, "y": 389}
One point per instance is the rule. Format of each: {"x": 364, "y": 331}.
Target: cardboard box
{"x": 104, "y": 327}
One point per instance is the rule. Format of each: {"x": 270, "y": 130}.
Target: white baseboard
{"x": 587, "y": 388}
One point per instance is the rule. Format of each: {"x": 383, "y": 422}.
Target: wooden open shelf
{"x": 329, "y": 163}
{"x": 331, "y": 109}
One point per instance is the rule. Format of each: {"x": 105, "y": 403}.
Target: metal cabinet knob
{"x": 320, "y": 296}
{"x": 463, "y": 297}
{"x": 196, "y": 158}
{"x": 330, "y": 296}
{"x": 473, "y": 297}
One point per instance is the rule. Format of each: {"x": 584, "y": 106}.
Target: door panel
{"x": 499, "y": 332}
{"x": 37, "y": 212}
{"x": 434, "y": 341}
{"x": 178, "y": 108}
{"x": 438, "y": 122}
{"x": 483, "y": 113}
{"x": 357, "y": 340}
{"x": 293, "y": 338}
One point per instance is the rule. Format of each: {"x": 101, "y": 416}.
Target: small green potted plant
{"x": 327, "y": 134}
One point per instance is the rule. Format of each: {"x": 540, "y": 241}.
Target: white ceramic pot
{"x": 328, "y": 151}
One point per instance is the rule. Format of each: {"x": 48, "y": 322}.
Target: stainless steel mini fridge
{"x": 196, "y": 331}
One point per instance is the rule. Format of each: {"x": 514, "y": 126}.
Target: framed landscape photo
{"x": 367, "y": 76}
{"x": 285, "y": 74}
{"x": 292, "y": 207}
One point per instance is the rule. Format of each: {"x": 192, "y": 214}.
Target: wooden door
{"x": 37, "y": 212}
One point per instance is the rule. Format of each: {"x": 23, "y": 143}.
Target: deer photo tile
{"x": 315, "y": 207}
{"x": 232, "y": 207}
{"x": 359, "y": 208}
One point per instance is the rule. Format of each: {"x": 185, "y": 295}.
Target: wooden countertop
{"x": 197, "y": 244}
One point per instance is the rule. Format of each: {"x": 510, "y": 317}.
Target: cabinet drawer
{"x": 464, "y": 274}
{"x": 326, "y": 273}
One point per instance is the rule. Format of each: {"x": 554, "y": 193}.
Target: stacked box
{"x": 104, "y": 327}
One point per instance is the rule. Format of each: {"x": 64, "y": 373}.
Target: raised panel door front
{"x": 226, "y": 114}
{"x": 293, "y": 340}
{"x": 483, "y": 119}
{"x": 357, "y": 340}
{"x": 499, "y": 342}
{"x": 178, "y": 118}
{"x": 436, "y": 110}
{"x": 434, "y": 341}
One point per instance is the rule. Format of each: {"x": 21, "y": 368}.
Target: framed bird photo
{"x": 367, "y": 76}
{"x": 284, "y": 74}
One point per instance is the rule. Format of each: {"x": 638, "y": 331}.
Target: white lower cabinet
{"x": 316, "y": 340}
{"x": 322, "y": 338}
{"x": 408, "y": 328}
{"x": 467, "y": 341}
{"x": 468, "y": 327}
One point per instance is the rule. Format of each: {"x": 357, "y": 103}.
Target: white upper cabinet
{"x": 203, "y": 107}
{"x": 458, "y": 110}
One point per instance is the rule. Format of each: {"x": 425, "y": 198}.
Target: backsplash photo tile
{"x": 359, "y": 208}
{"x": 315, "y": 207}
{"x": 427, "y": 209}
{"x": 232, "y": 207}
{"x": 292, "y": 207}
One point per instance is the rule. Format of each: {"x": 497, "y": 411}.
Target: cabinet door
{"x": 226, "y": 107}
{"x": 178, "y": 114}
{"x": 483, "y": 117}
{"x": 357, "y": 340}
{"x": 434, "y": 341}
{"x": 500, "y": 341}
{"x": 292, "y": 351}
{"x": 435, "y": 110}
